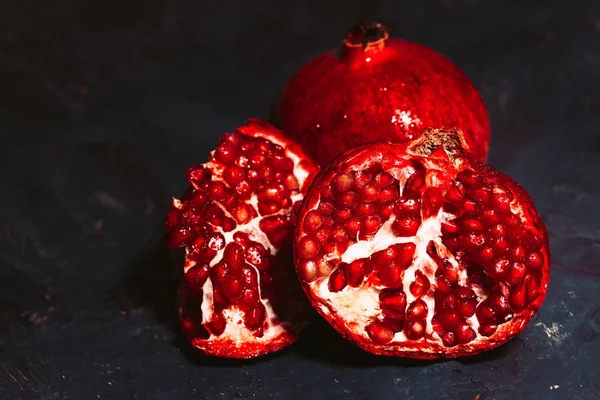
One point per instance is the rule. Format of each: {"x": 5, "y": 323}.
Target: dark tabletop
{"x": 104, "y": 103}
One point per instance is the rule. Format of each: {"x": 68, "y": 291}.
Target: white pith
{"x": 235, "y": 329}
{"x": 358, "y": 307}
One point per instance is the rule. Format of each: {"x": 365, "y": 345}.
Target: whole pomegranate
{"x": 239, "y": 297}
{"x": 375, "y": 88}
{"x": 415, "y": 250}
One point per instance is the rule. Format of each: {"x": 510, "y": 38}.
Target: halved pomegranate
{"x": 416, "y": 250}
{"x": 239, "y": 297}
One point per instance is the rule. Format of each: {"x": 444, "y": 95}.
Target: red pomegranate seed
{"x": 464, "y": 334}
{"x": 414, "y": 184}
{"x": 408, "y": 205}
{"x": 383, "y": 179}
{"x": 485, "y": 314}
{"x": 322, "y": 235}
{"x": 379, "y": 332}
{"x": 308, "y": 247}
{"x": 415, "y": 330}
{"x": 406, "y": 226}
{"x": 327, "y": 194}
{"x": 449, "y": 339}
{"x": 394, "y": 300}
{"x": 249, "y": 277}
{"x": 217, "y": 324}
{"x": 346, "y": 199}
{"x": 467, "y": 308}
{"x": 324, "y": 268}
{"x": 455, "y": 194}
{"x": 369, "y": 194}
{"x": 361, "y": 178}
{"x": 488, "y": 330}
{"x": 232, "y": 289}
{"x": 443, "y": 286}
{"x": 339, "y": 235}
{"x": 387, "y": 194}
{"x": 533, "y": 285}
{"x": 518, "y": 297}
{"x": 337, "y": 280}
{"x": 516, "y": 273}
{"x": 420, "y": 286}
{"x": 326, "y": 208}
{"x": 370, "y": 225}
{"x": 450, "y": 272}
{"x": 342, "y": 214}
{"x": 468, "y": 178}
{"x": 197, "y": 276}
{"x": 499, "y": 269}
{"x": 502, "y": 202}
{"x": 449, "y": 319}
{"x": 220, "y": 300}
{"x": 417, "y": 310}
{"x": 490, "y": 217}
{"x": 234, "y": 256}
{"x": 181, "y": 236}
{"x": 472, "y": 225}
{"x": 254, "y": 318}
{"x": 487, "y": 255}
{"x": 404, "y": 253}
{"x": 450, "y": 228}
{"x": 197, "y": 175}
{"x": 342, "y": 183}
{"x": 307, "y": 269}
{"x": 473, "y": 241}
{"x": 365, "y": 209}
{"x": 464, "y": 293}
{"x": 255, "y": 254}
{"x": 518, "y": 253}
{"x": 352, "y": 226}
{"x": 469, "y": 207}
{"x": 312, "y": 221}
{"x": 355, "y": 273}
{"x": 432, "y": 202}
{"x": 391, "y": 275}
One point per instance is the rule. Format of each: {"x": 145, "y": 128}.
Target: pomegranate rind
{"x": 280, "y": 331}
{"x": 393, "y": 154}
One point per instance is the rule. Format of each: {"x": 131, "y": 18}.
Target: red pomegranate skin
{"x": 375, "y": 88}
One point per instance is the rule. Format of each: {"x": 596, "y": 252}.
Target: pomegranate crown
{"x": 452, "y": 140}
{"x": 366, "y": 34}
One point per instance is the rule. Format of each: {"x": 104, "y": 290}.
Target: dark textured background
{"x": 104, "y": 103}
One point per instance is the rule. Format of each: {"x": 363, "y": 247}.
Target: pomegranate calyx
{"x": 451, "y": 140}
{"x": 369, "y": 36}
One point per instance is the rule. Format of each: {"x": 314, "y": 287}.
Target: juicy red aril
{"x": 417, "y": 310}
{"x": 428, "y": 255}
{"x": 234, "y": 219}
{"x": 379, "y": 332}
{"x": 355, "y": 273}
{"x": 337, "y": 280}
{"x": 393, "y": 302}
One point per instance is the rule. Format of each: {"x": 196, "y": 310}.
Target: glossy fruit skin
{"x": 389, "y": 152}
{"x": 384, "y": 91}
{"x": 221, "y": 249}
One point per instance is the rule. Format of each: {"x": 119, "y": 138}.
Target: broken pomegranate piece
{"x": 239, "y": 296}
{"x": 416, "y": 250}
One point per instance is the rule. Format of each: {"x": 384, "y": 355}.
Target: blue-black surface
{"x": 104, "y": 103}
